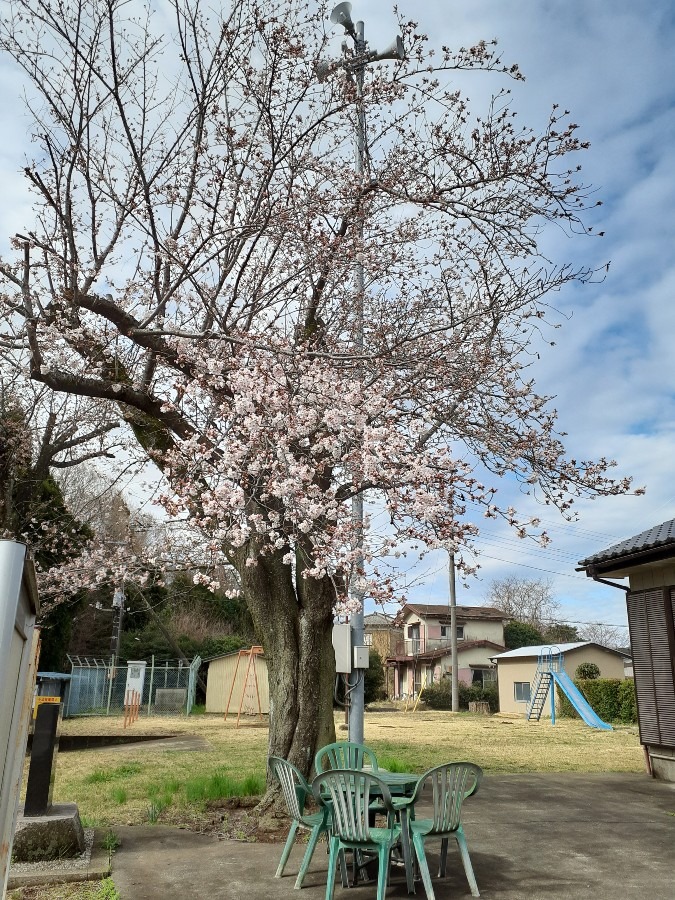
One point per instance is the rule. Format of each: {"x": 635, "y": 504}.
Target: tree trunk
{"x": 294, "y": 622}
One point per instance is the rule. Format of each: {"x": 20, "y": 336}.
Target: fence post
{"x": 70, "y": 687}
{"x": 152, "y": 675}
{"x": 111, "y": 674}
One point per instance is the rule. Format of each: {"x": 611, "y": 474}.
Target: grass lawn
{"x": 132, "y": 786}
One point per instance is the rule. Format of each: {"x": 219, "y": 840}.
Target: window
{"x": 445, "y": 632}
{"x": 368, "y": 640}
{"x": 521, "y": 691}
{"x": 484, "y": 677}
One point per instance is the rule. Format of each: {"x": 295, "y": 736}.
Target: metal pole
{"x": 118, "y": 616}
{"x": 357, "y": 695}
{"x": 453, "y": 634}
{"x": 111, "y": 674}
{"x": 152, "y": 678}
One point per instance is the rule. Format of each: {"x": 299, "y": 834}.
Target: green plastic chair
{"x": 451, "y": 784}
{"x": 351, "y": 792}
{"x": 296, "y": 791}
{"x": 344, "y": 755}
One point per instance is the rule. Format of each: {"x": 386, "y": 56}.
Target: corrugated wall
{"x": 219, "y": 680}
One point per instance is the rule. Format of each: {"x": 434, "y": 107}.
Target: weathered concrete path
{"x": 530, "y": 837}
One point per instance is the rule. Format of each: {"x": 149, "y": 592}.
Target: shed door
{"x": 650, "y": 620}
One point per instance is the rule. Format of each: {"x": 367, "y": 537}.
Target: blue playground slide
{"x": 578, "y": 701}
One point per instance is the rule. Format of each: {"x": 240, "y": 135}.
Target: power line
{"x": 557, "y": 554}
{"x": 512, "y": 562}
{"x": 579, "y": 622}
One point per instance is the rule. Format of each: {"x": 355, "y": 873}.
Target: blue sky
{"x": 611, "y": 63}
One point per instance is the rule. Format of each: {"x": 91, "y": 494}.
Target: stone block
{"x": 57, "y": 835}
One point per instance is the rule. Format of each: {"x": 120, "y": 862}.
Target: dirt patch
{"x": 238, "y": 823}
{"x": 234, "y": 819}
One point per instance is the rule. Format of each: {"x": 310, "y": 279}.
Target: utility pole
{"x": 356, "y": 65}
{"x": 454, "y": 670}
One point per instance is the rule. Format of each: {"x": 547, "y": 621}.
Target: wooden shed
{"x": 236, "y": 674}
{"x": 647, "y": 560}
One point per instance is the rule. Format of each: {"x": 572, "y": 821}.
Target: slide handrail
{"x": 550, "y": 659}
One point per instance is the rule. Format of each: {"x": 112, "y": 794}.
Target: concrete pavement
{"x": 530, "y": 837}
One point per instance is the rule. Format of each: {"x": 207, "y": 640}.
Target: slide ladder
{"x": 538, "y": 694}
{"x": 550, "y": 673}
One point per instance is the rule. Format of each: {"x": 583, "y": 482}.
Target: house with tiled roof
{"x": 423, "y": 654}
{"x": 647, "y": 560}
{"x": 382, "y": 633}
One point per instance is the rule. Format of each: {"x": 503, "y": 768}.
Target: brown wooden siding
{"x": 650, "y": 620}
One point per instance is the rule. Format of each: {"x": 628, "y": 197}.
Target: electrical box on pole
{"x": 361, "y": 657}
{"x": 342, "y": 644}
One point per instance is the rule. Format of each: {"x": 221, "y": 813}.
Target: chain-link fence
{"x": 99, "y": 687}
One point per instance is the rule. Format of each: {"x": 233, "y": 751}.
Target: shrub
{"x": 627, "y": 701}
{"x": 587, "y": 671}
{"x": 488, "y": 694}
{"x": 373, "y": 685}
{"x": 613, "y": 699}
{"x": 603, "y": 696}
{"x": 439, "y": 695}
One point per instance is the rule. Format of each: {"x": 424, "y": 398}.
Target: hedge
{"x": 613, "y": 699}
{"x": 439, "y": 695}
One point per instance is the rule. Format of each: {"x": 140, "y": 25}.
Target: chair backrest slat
{"x": 350, "y": 792}
{"x": 293, "y": 785}
{"x": 451, "y": 784}
{"x": 344, "y": 755}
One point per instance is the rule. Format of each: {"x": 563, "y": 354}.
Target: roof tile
{"x": 658, "y": 536}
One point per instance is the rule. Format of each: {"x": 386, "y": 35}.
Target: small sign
{"x": 39, "y": 700}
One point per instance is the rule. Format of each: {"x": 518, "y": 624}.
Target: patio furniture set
{"x": 352, "y": 795}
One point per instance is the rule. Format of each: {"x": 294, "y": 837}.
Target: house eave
{"x": 621, "y": 566}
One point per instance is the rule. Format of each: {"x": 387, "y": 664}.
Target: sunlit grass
{"x": 132, "y": 785}
{"x": 220, "y": 785}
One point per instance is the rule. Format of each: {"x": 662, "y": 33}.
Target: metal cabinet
{"x": 18, "y": 667}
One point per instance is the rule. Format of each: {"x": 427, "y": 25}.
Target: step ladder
{"x": 550, "y": 660}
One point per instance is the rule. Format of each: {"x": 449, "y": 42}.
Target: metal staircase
{"x": 550, "y": 660}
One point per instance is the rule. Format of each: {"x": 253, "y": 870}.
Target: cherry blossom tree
{"x": 190, "y": 262}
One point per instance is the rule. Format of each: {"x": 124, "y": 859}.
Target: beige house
{"x": 423, "y": 656}
{"x": 516, "y": 669}
{"x": 242, "y": 679}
